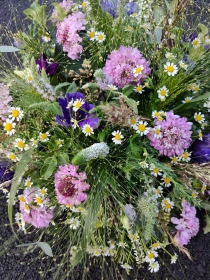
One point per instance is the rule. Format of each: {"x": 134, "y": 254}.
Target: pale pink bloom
{"x": 5, "y": 98}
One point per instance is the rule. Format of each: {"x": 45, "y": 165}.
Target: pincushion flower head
{"x": 76, "y": 109}
{"x": 47, "y": 64}
{"x": 175, "y": 135}
{"x": 70, "y": 186}
{"x": 126, "y": 66}
{"x": 201, "y": 149}
{"x": 35, "y": 208}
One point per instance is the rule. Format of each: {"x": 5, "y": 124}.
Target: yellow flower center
{"x": 22, "y": 199}
{"x": 88, "y": 130}
{"x": 155, "y": 245}
{"x": 170, "y": 68}
{"x": 195, "y": 42}
{"x": 43, "y": 136}
{"x": 100, "y": 37}
{"x": 26, "y": 207}
{"x": 185, "y": 155}
{"x": 141, "y": 127}
{"x": 12, "y": 156}
{"x": 157, "y": 114}
{"x": 167, "y": 180}
{"x": 198, "y": 118}
{"x": 138, "y": 70}
{"x": 30, "y": 78}
{"x": 78, "y": 104}
{"x": 117, "y": 137}
{"x": 134, "y": 15}
{"x": 21, "y": 144}
{"x": 92, "y": 34}
{"x": 28, "y": 183}
{"x": 156, "y": 170}
{"x": 139, "y": 88}
{"x": 163, "y": 92}
{"x": 157, "y": 191}
{"x": 133, "y": 121}
{"x": 84, "y": 4}
{"x": 168, "y": 206}
{"x": 15, "y": 113}
{"x": 157, "y": 131}
{"x": 8, "y": 126}
{"x": 38, "y": 200}
{"x": 151, "y": 256}
{"x": 194, "y": 195}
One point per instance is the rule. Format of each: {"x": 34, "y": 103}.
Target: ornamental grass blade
{"x": 20, "y": 170}
{"x": 45, "y": 248}
{"x": 8, "y": 49}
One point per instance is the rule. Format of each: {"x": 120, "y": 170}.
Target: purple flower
{"x": 82, "y": 115}
{"x": 174, "y": 135}
{"x": 130, "y": 8}
{"x": 201, "y": 150}
{"x": 187, "y": 226}
{"x": 6, "y": 173}
{"x": 126, "y": 66}
{"x": 44, "y": 63}
{"x": 110, "y": 7}
{"x": 190, "y": 38}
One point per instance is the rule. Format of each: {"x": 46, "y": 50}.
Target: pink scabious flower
{"x": 126, "y": 66}
{"x": 66, "y": 4}
{"x": 67, "y": 34}
{"x": 70, "y": 185}
{"x": 5, "y": 98}
{"x": 187, "y": 226}
{"x": 175, "y": 135}
{"x": 38, "y": 215}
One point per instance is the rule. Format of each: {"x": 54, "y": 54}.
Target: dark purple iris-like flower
{"x": 131, "y": 8}
{"x": 110, "y": 7}
{"x": 201, "y": 150}
{"x": 191, "y": 37}
{"x": 82, "y": 115}
{"x": 5, "y": 172}
{"x": 45, "y": 63}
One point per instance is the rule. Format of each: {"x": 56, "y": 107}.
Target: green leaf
{"x": 158, "y": 34}
{"x": 19, "y": 172}
{"x": 203, "y": 29}
{"x": 63, "y": 158}
{"x": 72, "y": 88}
{"x": 127, "y": 90}
{"x": 46, "y": 248}
{"x": 52, "y": 144}
{"x": 27, "y": 244}
{"x": 61, "y": 85}
{"x": 206, "y": 229}
{"x": 8, "y": 49}
{"x": 48, "y": 167}
{"x": 159, "y": 14}
{"x": 55, "y": 108}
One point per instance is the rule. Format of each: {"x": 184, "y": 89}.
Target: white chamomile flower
{"x": 84, "y": 4}
{"x": 133, "y": 121}
{"x": 167, "y": 204}
{"x": 158, "y": 192}
{"x": 166, "y": 180}
{"x": 12, "y": 157}
{"x": 112, "y": 87}
{"x": 38, "y": 200}
{"x": 183, "y": 65}
{"x": 199, "y": 117}
{"x": 154, "y": 266}
{"x": 70, "y": 104}
{"x": 128, "y": 28}
{"x": 204, "y": 124}
{"x": 200, "y": 134}
{"x": 170, "y": 68}
{"x": 86, "y": 63}
{"x": 141, "y": 128}
{"x": 77, "y": 104}
{"x": 118, "y": 137}
{"x": 196, "y": 87}
{"x": 9, "y": 126}
{"x": 43, "y": 191}
{"x": 139, "y": 88}
{"x": 169, "y": 55}
{"x": 158, "y": 115}
{"x": 157, "y": 131}
{"x": 126, "y": 266}
{"x": 138, "y": 70}
{"x": 187, "y": 99}
{"x": 163, "y": 93}
{"x": 34, "y": 142}
{"x": 134, "y": 15}
{"x": 151, "y": 255}
{"x": 26, "y": 208}
{"x": 22, "y": 198}
{"x": 29, "y": 77}
{"x": 87, "y": 130}
{"x": 143, "y": 164}
{"x": 155, "y": 170}
{"x": 203, "y": 188}
{"x": 28, "y": 183}
{"x": 194, "y": 194}
{"x": 196, "y": 43}
{"x": 20, "y": 144}
{"x": 100, "y": 37}
{"x": 44, "y": 136}
{"x": 91, "y": 33}
{"x": 174, "y": 258}
{"x": 74, "y": 123}
{"x": 18, "y": 216}
{"x": 155, "y": 246}
{"x": 174, "y": 159}
{"x": 16, "y": 113}
{"x": 186, "y": 156}
{"x": 60, "y": 142}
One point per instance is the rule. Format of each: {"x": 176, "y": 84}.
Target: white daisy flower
{"x": 118, "y": 137}
{"x": 154, "y": 266}
{"x": 9, "y": 126}
{"x": 196, "y": 43}
{"x": 34, "y": 142}
{"x": 200, "y": 135}
{"x": 77, "y": 104}
{"x": 199, "y": 117}
{"x": 183, "y": 65}
{"x": 100, "y": 37}
{"x": 74, "y": 123}
{"x": 91, "y": 33}
{"x": 133, "y": 122}
{"x": 143, "y": 164}
{"x": 112, "y": 87}
{"x": 155, "y": 170}
{"x": 170, "y": 68}
{"x": 174, "y": 258}
{"x": 87, "y": 130}
{"x": 166, "y": 180}
{"x": 141, "y": 128}
{"x": 12, "y": 157}
{"x": 151, "y": 255}
{"x": 167, "y": 204}
{"x": 44, "y": 137}
{"x": 20, "y": 144}
{"x": 187, "y": 99}
{"x": 138, "y": 70}
{"x": 169, "y": 55}
{"x": 139, "y": 88}
{"x": 60, "y": 142}
{"x": 28, "y": 183}
{"x": 16, "y": 113}
{"x": 186, "y": 156}
{"x": 157, "y": 131}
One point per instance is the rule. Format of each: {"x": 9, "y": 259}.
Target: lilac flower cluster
{"x": 121, "y": 65}
{"x": 174, "y": 137}
{"x": 187, "y": 226}
{"x": 37, "y": 215}
{"x": 67, "y": 34}
{"x": 5, "y": 98}
{"x": 70, "y": 185}
{"x": 81, "y": 116}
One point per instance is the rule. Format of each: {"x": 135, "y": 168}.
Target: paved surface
{"x": 17, "y": 264}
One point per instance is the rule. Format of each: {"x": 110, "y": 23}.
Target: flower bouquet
{"x": 105, "y": 123}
